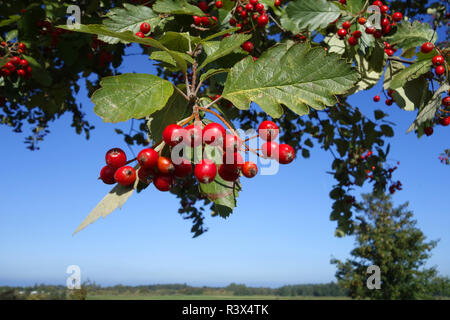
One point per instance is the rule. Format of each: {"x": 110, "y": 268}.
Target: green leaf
{"x": 212, "y": 72}
{"x": 428, "y": 112}
{"x": 393, "y": 68}
{"x": 312, "y": 14}
{"x": 219, "y": 34}
{"x": 412, "y": 72}
{"x": 10, "y": 20}
{"x": 177, "y": 7}
{"x": 223, "y": 194}
{"x": 129, "y": 95}
{"x": 129, "y": 18}
{"x": 218, "y": 49}
{"x": 173, "y": 111}
{"x": 412, "y": 95}
{"x": 335, "y": 44}
{"x": 38, "y": 73}
{"x": 179, "y": 41}
{"x": 10, "y": 35}
{"x": 411, "y": 35}
{"x": 369, "y": 77}
{"x": 387, "y": 130}
{"x": 166, "y": 57}
{"x": 296, "y": 76}
{"x": 354, "y": 6}
{"x": 379, "y": 114}
{"x": 128, "y": 36}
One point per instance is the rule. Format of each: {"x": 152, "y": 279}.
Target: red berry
{"x": 446, "y": 101}
{"x": 277, "y": 3}
{"x": 353, "y": 41}
{"x": 205, "y": 21}
{"x": 198, "y": 20}
{"x": 244, "y": 14}
{"x": 194, "y": 135}
{"x": 239, "y": 9}
{"x": 260, "y": 8}
{"x": 205, "y": 171}
{"x": 203, "y": 5}
{"x": 389, "y": 102}
{"x": 23, "y": 63}
{"x": 15, "y": 60}
{"x": 233, "y": 159}
{"x": 214, "y": 134}
{"x": 140, "y": 34}
{"x": 254, "y": 2}
{"x": 249, "y": 169}
{"x": 116, "y": 158}
{"x": 342, "y": 33}
{"x": 232, "y": 143}
{"x": 440, "y": 70}
{"x": 219, "y": 4}
{"x": 357, "y": 34}
{"x": 145, "y": 27}
{"x": 343, "y": 2}
{"x": 445, "y": 121}
{"x": 397, "y": 16}
{"x": 173, "y": 134}
{"x": 377, "y": 34}
{"x": 362, "y": 20}
{"x": 438, "y": 60}
{"x": 263, "y": 20}
{"x": 428, "y": 131}
{"x": 384, "y": 9}
{"x": 148, "y": 158}
{"x": 427, "y": 47}
{"x": 165, "y": 165}
{"x": 376, "y": 98}
{"x": 183, "y": 169}
{"x": 270, "y": 149}
{"x": 232, "y": 22}
{"x": 228, "y": 173}
{"x": 21, "y": 73}
{"x": 163, "y": 181}
{"x": 286, "y": 154}
{"x": 249, "y": 7}
{"x": 22, "y": 46}
{"x": 125, "y": 176}
{"x": 268, "y": 130}
{"x": 145, "y": 175}
{"x": 346, "y": 25}
{"x": 107, "y": 175}
{"x": 385, "y": 22}
{"x": 377, "y": 3}
{"x": 389, "y": 52}
{"x": 370, "y": 30}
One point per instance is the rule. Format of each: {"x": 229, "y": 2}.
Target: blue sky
{"x": 279, "y": 234}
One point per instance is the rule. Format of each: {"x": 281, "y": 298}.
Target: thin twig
{"x": 181, "y": 92}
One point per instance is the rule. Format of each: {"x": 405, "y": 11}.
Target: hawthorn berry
{"x": 397, "y": 16}
{"x": 249, "y": 169}
{"x": 145, "y": 27}
{"x": 346, "y": 25}
{"x": 145, "y": 175}
{"x": 165, "y": 165}
{"x": 270, "y": 149}
{"x": 377, "y": 34}
{"x": 263, "y": 20}
{"x": 286, "y": 154}
{"x": 232, "y": 143}
{"x": 376, "y": 98}
{"x": 214, "y": 134}
{"x": 260, "y": 8}
{"x": 125, "y": 176}
{"x": 198, "y": 20}
{"x": 446, "y": 101}
{"x": 352, "y": 41}
{"x": 277, "y": 3}
{"x": 427, "y": 47}
{"x": 384, "y": 9}
{"x": 440, "y": 70}
{"x": 22, "y": 46}
{"x": 389, "y": 52}
{"x": 23, "y": 63}
{"x": 268, "y": 130}
{"x": 389, "y": 102}
{"x": 370, "y": 30}
{"x": 107, "y": 175}
{"x": 357, "y": 34}
{"x": 140, "y": 34}
{"x": 249, "y": 7}
{"x": 15, "y": 60}
{"x": 173, "y": 134}
{"x": 428, "y": 131}
{"x": 377, "y": 3}
{"x": 163, "y": 181}
{"x": 438, "y": 60}
{"x": 219, "y": 4}
{"x": 205, "y": 171}
{"x": 362, "y": 20}
{"x": 344, "y": 2}
{"x": 183, "y": 169}
{"x": 385, "y": 22}
{"x": 116, "y": 158}
{"x": 194, "y": 135}
{"x": 203, "y": 5}
{"x": 228, "y": 173}
{"x": 205, "y": 21}
{"x": 148, "y": 158}
{"x": 342, "y": 33}
{"x": 445, "y": 121}
{"x": 254, "y": 2}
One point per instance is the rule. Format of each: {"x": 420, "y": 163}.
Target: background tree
{"x": 387, "y": 237}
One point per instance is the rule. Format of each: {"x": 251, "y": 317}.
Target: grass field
{"x": 205, "y": 297}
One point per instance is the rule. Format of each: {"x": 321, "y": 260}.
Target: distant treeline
{"x": 440, "y": 288}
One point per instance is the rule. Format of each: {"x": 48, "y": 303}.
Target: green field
{"x": 205, "y": 297}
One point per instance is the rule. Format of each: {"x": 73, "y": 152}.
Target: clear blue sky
{"x": 279, "y": 234}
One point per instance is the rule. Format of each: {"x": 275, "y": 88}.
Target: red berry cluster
{"x": 144, "y": 30}
{"x": 16, "y": 64}
{"x": 443, "y": 117}
{"x": 438, "y": 60}
{"x": 386, "y": 24}
{"x": 163, "y": 171}
{"x": 394, "y": 187}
